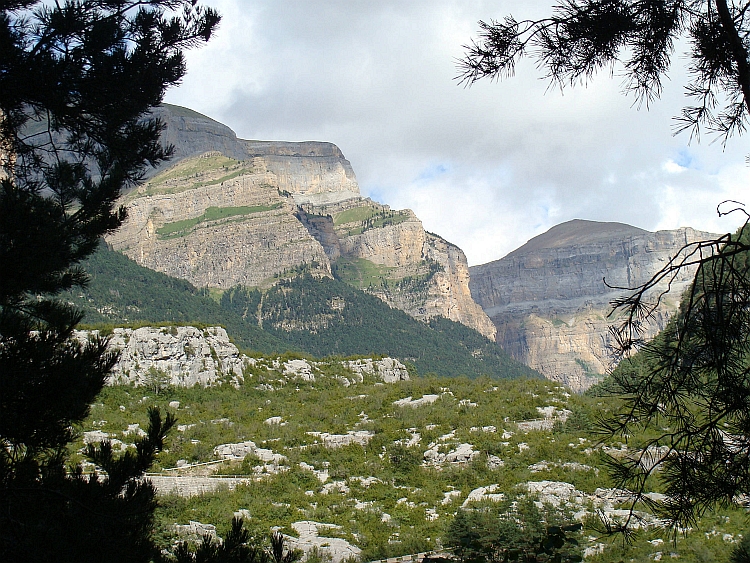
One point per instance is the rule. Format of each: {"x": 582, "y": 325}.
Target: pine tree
{"x": 77, "y": 81}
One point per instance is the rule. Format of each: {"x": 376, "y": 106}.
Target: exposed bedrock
{"x": 549, "y": 300}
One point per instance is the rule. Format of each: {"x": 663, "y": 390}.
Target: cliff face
{"x": 389, "y": 254}
{"x": 247, "y": 212}
{"x": 549, "y": 301}
{"x": 216, "y": 222}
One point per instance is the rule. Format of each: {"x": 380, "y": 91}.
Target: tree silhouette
{"x": 77, "y": 81}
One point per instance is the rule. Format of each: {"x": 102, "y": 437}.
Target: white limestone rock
{"x": 361, "y": 437}
{"x": 389, "y": 370}
{"x": 335, "y": 487}
{"x": 299, "y": 368}
{"x": 186, "y": 355}
{"x": 462, "y": 453}
{"x": 241, "y": 450}
{"x": 308, "y": 539}
{"x": 94, "y": 437}
{"x": 489, "y": 493}
{"x": 414, "y": 403}
{"x": 195, "y": 530}
{"x": 494, "y": 462}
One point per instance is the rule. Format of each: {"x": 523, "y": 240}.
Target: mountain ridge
{"x": 551, "y": 305}
{"x": 237, "y": 212}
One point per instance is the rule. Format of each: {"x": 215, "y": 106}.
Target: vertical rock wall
{"x": 549, "y": 301}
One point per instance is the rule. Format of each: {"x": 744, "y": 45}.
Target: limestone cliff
{"x": 389, "y": 254}
{"x": 182, "y": 356}
{"x": 549, "y": 301}
{"x": 191, "y": 133}
{"x": 248, "y": 212}
{"x": 216, "y": 222}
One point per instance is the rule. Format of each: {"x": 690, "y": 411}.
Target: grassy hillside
{"x": 321, "y": 317}
{"x": 386, "y": 495}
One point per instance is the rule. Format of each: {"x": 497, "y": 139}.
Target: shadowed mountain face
{"x": 230, "y": 212}
{"x": 550, "y": 303}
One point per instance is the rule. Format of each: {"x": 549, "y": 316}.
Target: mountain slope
{"x": 121, "y": 292}
{"x": 550, "y": 303}
{"x": 319, "y": 316}
{"x": 324, "y": 316}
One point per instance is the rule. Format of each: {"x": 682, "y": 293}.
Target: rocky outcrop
{"x": 232, "y": 212}
{"x": 225, "y": 224}
{"x": 309, "y": 539}
{"x": 313, "y": 172}
{"x": 386, "y": 370}
{"x": 390, "y": 255}
{"x": 449, "y": 295}
{"x": 183, "y": 356}
{"x": 184, "y": 486}
{"x": 186, "y": 356}
{"x": 550, "y": 303}
{"x": 239, "y": 451}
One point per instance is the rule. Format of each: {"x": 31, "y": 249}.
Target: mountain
{"x": 233, "y": 212}
{"x": 549, "y": 301}
{"x": 301, "y": 313}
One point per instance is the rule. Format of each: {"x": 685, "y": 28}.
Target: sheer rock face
{"x": 549, "y": 301}
{"x": 244, "y": 249}
{"x": 417, "y": 272}
{"x": 248, "y": 212}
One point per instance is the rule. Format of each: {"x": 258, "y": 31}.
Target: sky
{"x": 486, "y": 167}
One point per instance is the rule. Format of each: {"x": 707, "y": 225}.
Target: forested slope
{"x": 321, "y": 317}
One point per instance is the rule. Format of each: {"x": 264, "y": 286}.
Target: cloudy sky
{"x": 486, "y": 167}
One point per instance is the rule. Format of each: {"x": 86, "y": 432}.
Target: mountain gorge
{"x": 229, "y": 213}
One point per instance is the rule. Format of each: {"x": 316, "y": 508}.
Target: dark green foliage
{"x": 77, "y": 81}
{"x": 51, "y": 516}
{"x": 688, "y": 389}
{"x": 238, "y": 547}
{"x": 120, "y": 292}
{"x": 481, "y": 348}
{"x": 583, "y": 37}
{"x": 301, "y": 311}
{"x": 741, "y": 553}
{"x": 511, "y": 532}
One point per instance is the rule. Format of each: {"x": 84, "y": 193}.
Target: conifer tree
{"x": 77, "y": 81}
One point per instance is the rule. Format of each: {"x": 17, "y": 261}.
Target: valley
{"x": 342, "y": 375}
{"x": 233, "y": 213}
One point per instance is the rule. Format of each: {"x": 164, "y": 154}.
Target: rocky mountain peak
{"x": 550, "y": 299}
{"x": 577, "y": 232}
{"x": 229, "y": 212}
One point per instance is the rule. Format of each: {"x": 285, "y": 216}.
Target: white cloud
{"x": 376, "y": 78}
{"x": 671, "y": 167}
